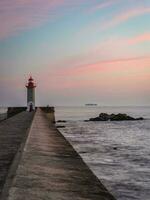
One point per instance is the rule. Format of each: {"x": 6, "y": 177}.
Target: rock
{"x": 60, "y": 126}
{"x": 61, "y": 121}
{"x": 114, "y": 117}
{"x": 120, "y": 117}
{"x": 115, "y": 148}
{"x": 95, "y": 119}
{"x": 104, "y": 117}
{"x": 82, "y": 152}
{"x": 140, "y": 118}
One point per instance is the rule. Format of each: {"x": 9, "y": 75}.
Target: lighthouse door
{"x": 31, "y": 107}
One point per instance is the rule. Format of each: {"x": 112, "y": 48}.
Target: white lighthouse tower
{"x": 30, "y": 94}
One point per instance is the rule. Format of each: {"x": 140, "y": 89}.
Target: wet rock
{"x": 140, "y": 118}
{"x": 104, "y": 117}
{"x": 95, "y": 119}
{"x": 101, "y": 117}
{"x": 82, "y": 152}
{"x": 120, "y": 117}
{"x": 114, "y": 117}
{"x": 115, "y": 148}
{"x": 61, "y": 121}
{"x": 60, "y": 126}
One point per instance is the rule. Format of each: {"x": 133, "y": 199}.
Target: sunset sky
{"x": 78, "y": 51}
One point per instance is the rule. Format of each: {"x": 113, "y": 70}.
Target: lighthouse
{"x": 30, "y": 94}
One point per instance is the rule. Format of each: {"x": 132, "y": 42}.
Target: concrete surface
{"x": 12, "y": 133}
{"x": 50, "y": 169}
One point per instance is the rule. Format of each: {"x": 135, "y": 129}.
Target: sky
{"x": 78, "y": 51}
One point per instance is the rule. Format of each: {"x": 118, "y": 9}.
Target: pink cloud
{"x": 120, "y": 75}
{"x": 111, "y": 65}
{"x": 124, "y": 16}
{"x": 20, "y": 15}
{"x": 17, "y": 15}
{"x": 102, "y": 5}
{"x": 139, "y": 39}
{"x": 115, "y": 19}
{"x": 119, "y": 42}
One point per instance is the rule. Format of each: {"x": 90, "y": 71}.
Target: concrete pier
{"x": 50, "y": 169}
{"x": 13, "y": 133}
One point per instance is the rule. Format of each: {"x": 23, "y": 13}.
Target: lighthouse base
{"x": 30, "y": 106}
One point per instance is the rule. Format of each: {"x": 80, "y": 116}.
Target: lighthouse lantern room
{"x": 30, "y": 94}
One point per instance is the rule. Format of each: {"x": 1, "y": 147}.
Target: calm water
{"x": 117, "y": 152}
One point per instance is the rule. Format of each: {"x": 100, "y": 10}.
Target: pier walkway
{"x": 13, "y": 133}
{"x": 50, "y": 169}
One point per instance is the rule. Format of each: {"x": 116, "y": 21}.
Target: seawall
{"x": 14, "y": 111}
{"x": 50, "y": 168}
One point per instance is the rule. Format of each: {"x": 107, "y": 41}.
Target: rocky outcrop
{"x": 114, "y": 117}
{"x": 61, "y": 121}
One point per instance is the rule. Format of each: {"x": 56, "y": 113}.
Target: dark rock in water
{"x": 101, "y": 117}
{"x": 140, "y": 118}
{"x": 61, "y": 121}
{"x": 114, "y": 117}
{"x": 120, "y": 117}
{"x": 82, "y": 152}
{"x": 95, "y": 119}
{"x": 115, "y": 148}
{"x": 104, "y": 117}
{"x": 60, "y": 126}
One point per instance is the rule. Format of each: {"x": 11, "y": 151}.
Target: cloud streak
{"x": 102, "y": 5}
{"x": 101, "y": 66}
{"x": 114, "y": 19}
{"x": 125, "y": 16}
{"x": 16, "y": 15}
{"x": 20, "y": 15}
{"x": 139, "y": 39}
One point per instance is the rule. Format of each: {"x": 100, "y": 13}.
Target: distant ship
{"x": 90, "y": 104}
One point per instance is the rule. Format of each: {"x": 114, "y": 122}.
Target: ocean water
{"x": 117, "y": 152}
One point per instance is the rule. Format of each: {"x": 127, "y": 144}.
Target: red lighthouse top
{"x": 30, "y": 83}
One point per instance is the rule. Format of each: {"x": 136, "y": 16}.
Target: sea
{"x": 118, "y": 152}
